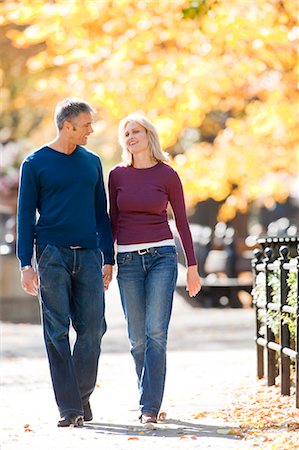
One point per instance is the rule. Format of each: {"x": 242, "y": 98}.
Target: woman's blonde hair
{"x": 153, "y": 138}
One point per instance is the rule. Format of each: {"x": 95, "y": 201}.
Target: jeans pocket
{"x": 98, "y": 255}
{"x": 167, "y": 251}
{"x": 123, "y": 258}
{"x": 41, "y": 250}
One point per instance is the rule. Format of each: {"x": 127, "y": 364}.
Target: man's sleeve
{"x": 26, "y": 219}
{"x": 103, "y": 222}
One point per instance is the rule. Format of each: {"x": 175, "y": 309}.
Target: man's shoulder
{"x": 90, "y": 156}
{"x": 36, "y": 155}
{"x": 88, "y": 153}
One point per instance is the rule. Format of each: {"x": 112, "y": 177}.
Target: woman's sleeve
{"x": 113, "y": 210}
{"x": 177, "y": 202}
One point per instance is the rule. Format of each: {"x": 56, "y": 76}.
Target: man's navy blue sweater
{"x": 62, "y": 202}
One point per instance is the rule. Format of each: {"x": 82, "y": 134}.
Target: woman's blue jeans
{"x": 71, "y": 291}
{"x": 147, "y": 282}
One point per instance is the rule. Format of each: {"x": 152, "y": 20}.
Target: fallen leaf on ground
{"x": 200, "y": 414}
{"x": 162, "y": 416}
{"x": 236, "y": 432}
{"x": 265, "y": 417}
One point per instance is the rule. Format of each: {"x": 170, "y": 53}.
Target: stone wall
{"x": 15, "y": 305}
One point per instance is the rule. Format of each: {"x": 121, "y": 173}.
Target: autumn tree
{"x": 227, "y": 71}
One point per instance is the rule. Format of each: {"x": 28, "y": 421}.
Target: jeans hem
{"x": 70, "y": 412}
{"x": 147, "y": 411}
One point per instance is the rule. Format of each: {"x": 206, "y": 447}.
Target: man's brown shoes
{"x": 148, "y": 420}
{"x": 73, "y": 420}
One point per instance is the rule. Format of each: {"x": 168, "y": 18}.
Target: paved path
{"x": 211, "y": 358}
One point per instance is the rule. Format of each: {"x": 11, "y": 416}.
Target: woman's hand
{"x": 193, "y": 281}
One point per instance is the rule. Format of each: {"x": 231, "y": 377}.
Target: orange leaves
{"x": 144, "y": 35}
{"x": 237, "y": 58}
{"x": 236, "y": 432}
{"x": 257, "y": 153}
{"x": 162, "y": 416}
{"x": 268, "y": 417}
{"x": 193, "y": 437}
{"x": 200, "y": 414}
{"x": 27, "y": 428}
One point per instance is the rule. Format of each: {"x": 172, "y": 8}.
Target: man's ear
{"x": 67, "y": 126}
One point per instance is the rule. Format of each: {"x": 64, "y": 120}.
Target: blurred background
{"x": 220, "y": 81}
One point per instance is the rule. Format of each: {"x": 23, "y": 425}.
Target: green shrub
{"x": 272, "y": 318}
{"x": 259, "y": 296}
{"x": 290, "y": 319}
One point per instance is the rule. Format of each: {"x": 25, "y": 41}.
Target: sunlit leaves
{"x": 268, "y": 419}
{"x": 176, "y": 61}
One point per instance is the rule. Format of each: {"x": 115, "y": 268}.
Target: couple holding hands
{"x": 65, "y": 245}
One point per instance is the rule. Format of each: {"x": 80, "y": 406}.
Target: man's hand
{"x": 107, "y": 275}
{"x": 29, "y": 281}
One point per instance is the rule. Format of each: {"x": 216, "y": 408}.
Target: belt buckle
{"x": 143, "y": 251}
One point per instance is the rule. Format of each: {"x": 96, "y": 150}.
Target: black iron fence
{"x": 276, "y": 299}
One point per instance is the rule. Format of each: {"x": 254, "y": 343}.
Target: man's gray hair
{"x": 69, "y": 108}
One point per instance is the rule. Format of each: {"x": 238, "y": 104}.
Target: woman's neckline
{"x": 145, "y": 168}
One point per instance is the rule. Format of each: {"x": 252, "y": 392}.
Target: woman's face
{"x": 136, "y": 138}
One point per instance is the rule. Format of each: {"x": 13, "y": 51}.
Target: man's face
{"x": 81, "y": 128}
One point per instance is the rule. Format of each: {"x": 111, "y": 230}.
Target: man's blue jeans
{"x": 71, "y": 291}
{"x": 147, "y": 284}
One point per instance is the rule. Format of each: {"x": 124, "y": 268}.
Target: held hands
{"x": 107, "y": 275}
{"x": 193, "y": 281}
{"x": 29, "y": 281}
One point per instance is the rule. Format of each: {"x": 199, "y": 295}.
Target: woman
{"x": 139, "y": 192}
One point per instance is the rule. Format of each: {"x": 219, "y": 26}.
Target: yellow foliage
{"x": 237, "y": 57}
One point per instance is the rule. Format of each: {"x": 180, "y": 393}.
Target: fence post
{"x": 258, "y": 254}
{"x": 297, "y": 334}
{"x": 271, "y": 354}
{"x": 284, "y": 329}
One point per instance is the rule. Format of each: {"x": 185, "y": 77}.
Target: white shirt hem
{"x": 146, "y": 245}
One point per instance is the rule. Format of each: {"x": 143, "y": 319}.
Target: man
{"x": 63, "y": 182}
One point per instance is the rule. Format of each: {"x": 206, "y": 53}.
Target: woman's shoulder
{"x": 168, "y": 170}
{"x": 118, "y": 169}
{"x": 170, "y": 176}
